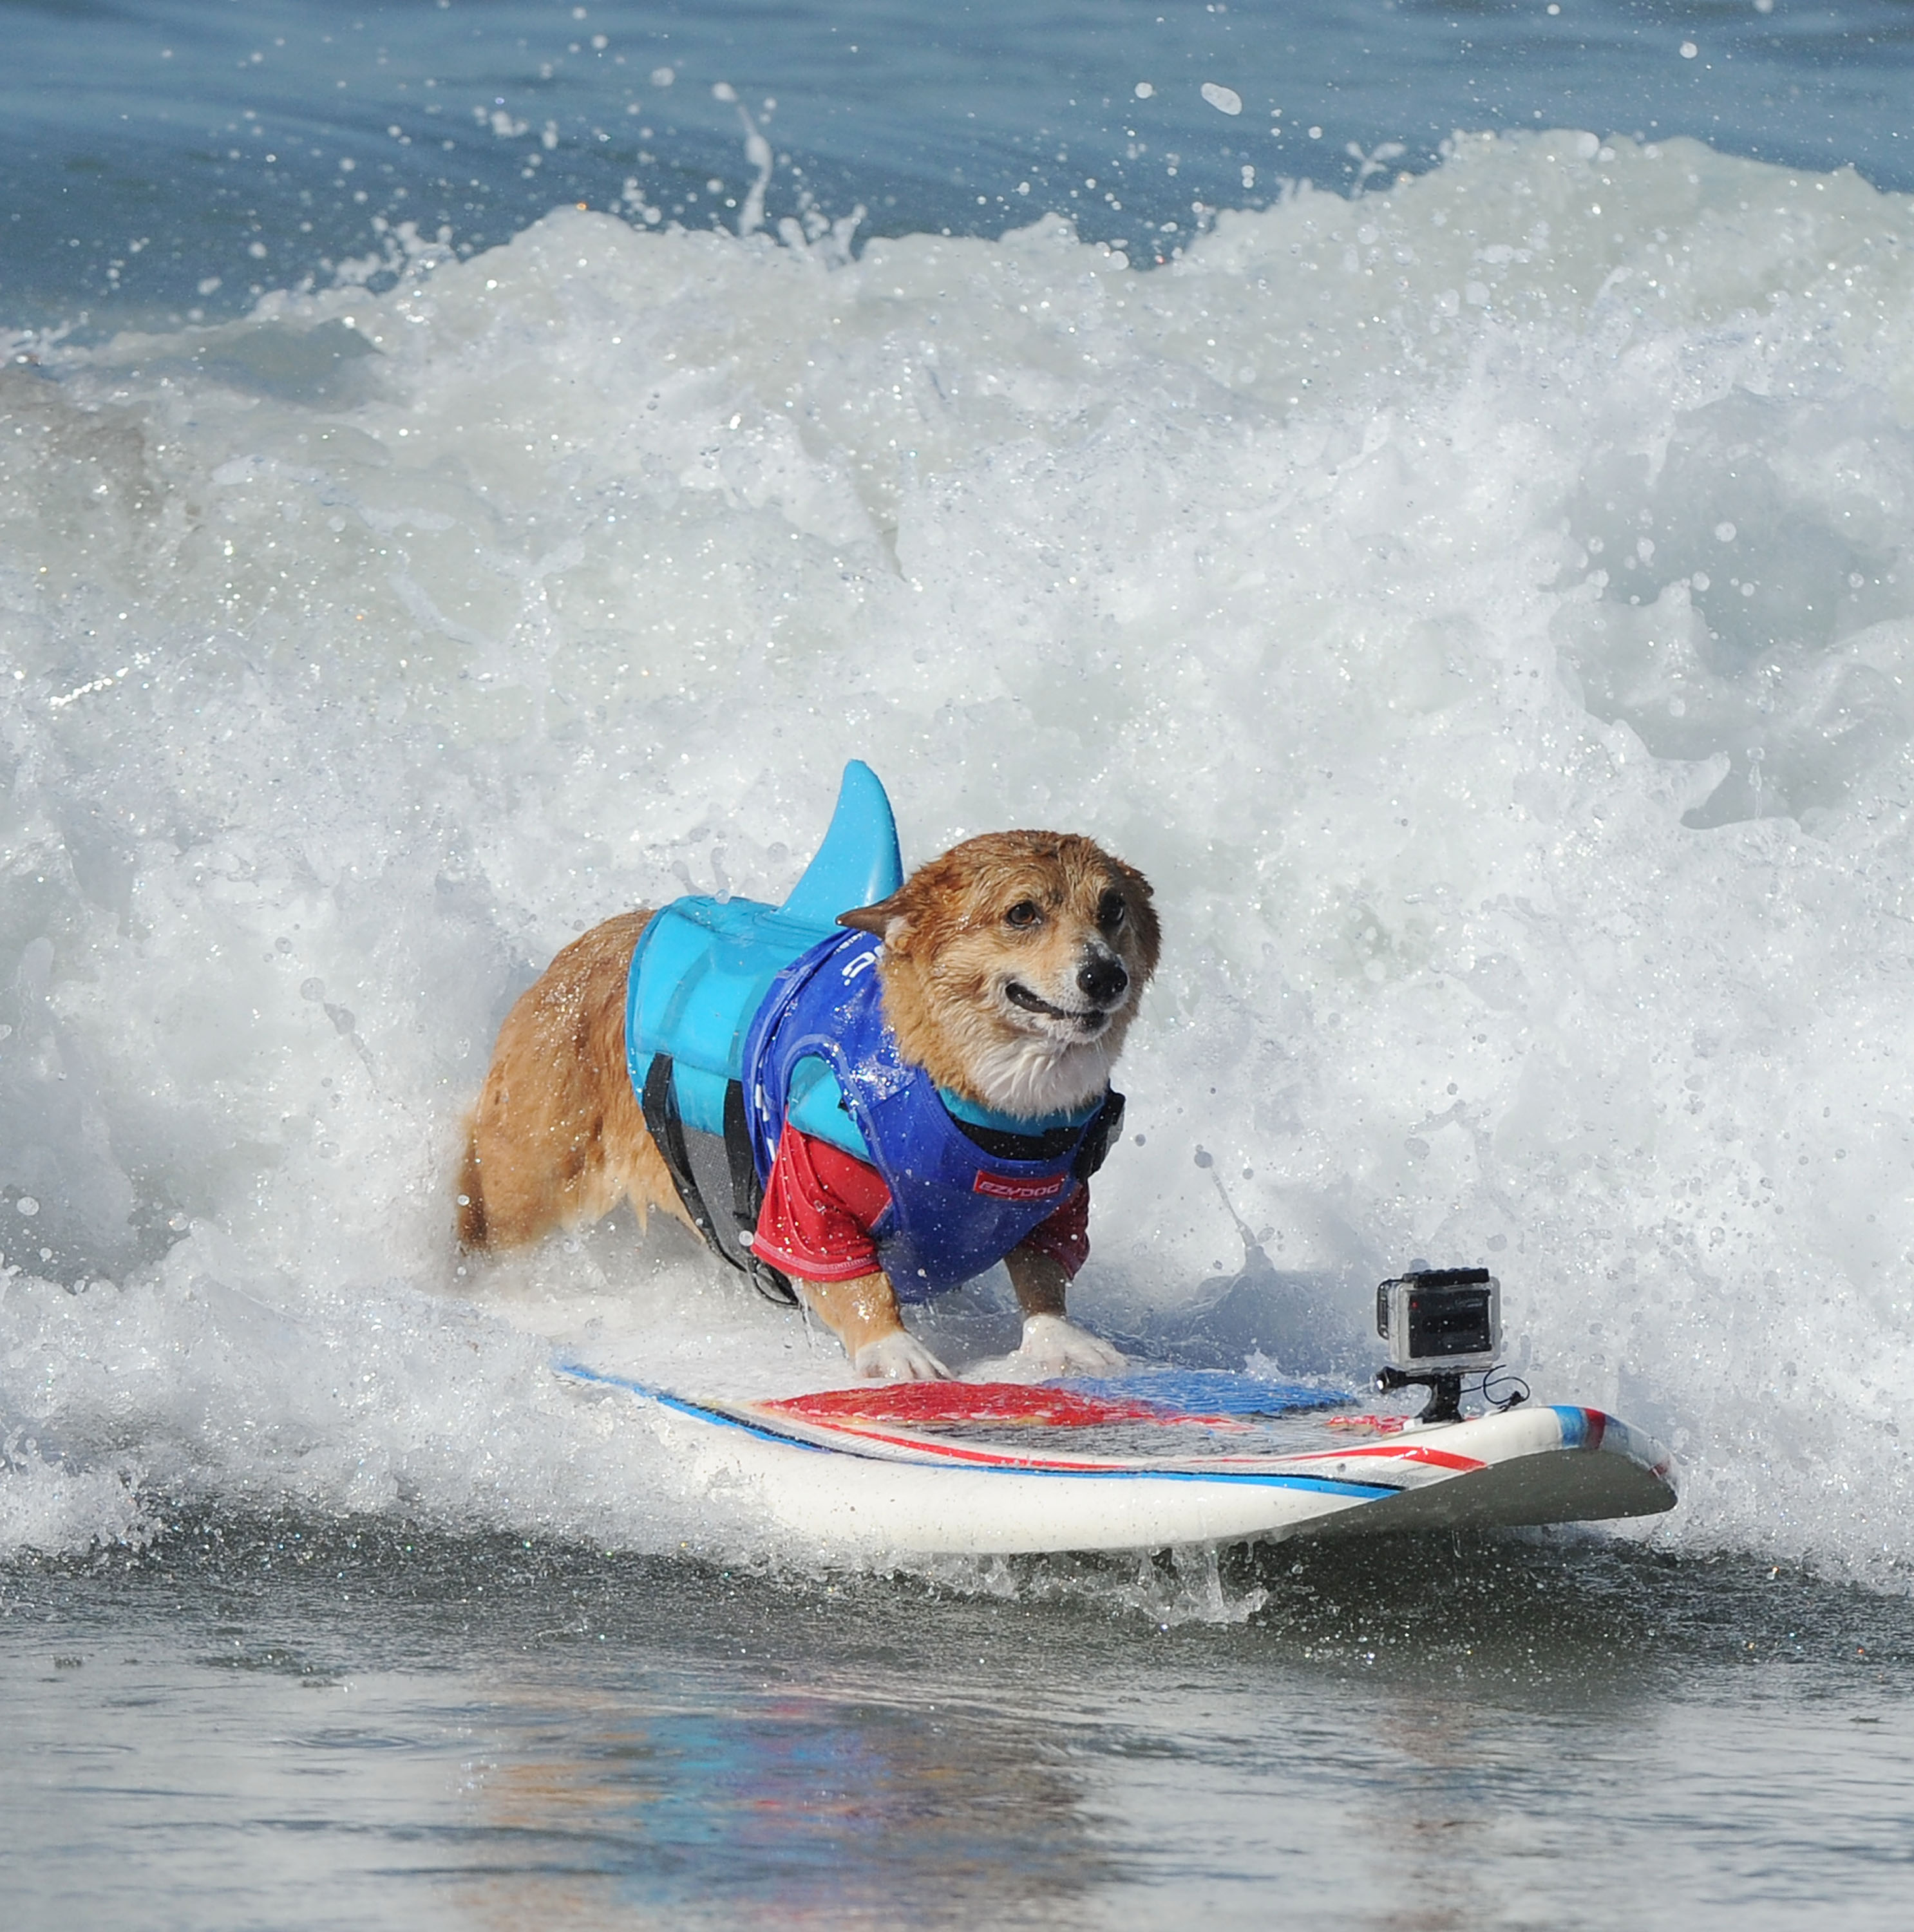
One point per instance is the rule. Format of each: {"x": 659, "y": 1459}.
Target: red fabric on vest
{"x": 820, "y": 1204}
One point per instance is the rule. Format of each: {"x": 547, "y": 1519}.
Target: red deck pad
{"x": 981, "y": 1402}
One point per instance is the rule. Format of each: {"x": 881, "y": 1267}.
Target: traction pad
{"x": 1212, "y": 1398}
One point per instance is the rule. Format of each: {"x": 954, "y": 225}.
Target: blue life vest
{"x": 959, "y": 1200}
{"x": 702, "y": 967}
{"x": 701, "y": 970}
{"x": 731, "y": 998}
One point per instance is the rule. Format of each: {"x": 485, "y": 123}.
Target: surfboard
{"x": 1143, "y": 1461}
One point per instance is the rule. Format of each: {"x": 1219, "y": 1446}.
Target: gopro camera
{"x": 1441, "y": 1324}
{"x": 1449, "y": 1320}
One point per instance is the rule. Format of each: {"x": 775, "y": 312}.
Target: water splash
{"x": 1357, "y": 575}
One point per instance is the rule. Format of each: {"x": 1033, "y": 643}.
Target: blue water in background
{"x": 160, "y": 158}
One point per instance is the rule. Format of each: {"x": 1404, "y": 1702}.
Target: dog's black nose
{"x": 1102, "y": 979}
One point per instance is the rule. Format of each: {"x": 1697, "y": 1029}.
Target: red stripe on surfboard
{"x": 982, "y": 1401}
{"x": 955, "y": 1452}
{"x": 1400, "y": 1452}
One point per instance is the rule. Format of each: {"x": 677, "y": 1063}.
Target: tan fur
{"x": 557, "y": 1137}
{"x": 949, "y": 950}
{"x": 863, "y": 1312}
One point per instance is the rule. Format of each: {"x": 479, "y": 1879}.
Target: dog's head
{"x": 1012, "y": 966}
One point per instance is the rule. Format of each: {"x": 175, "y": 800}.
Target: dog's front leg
{"x": 863, "y": 1315}
{"x": 1052, "y": 1342}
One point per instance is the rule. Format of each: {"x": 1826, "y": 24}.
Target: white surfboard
{"x": 1142, "y": 1462}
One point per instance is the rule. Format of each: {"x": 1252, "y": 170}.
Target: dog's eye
{"x": 1110, "y": 910}
{"x": 1024, "y": 913}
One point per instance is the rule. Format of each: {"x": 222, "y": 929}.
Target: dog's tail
{"x": 473, "y": 1231}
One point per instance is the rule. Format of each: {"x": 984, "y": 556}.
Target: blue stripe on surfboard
{"x": 579, "y": 1372}
{"x": 1328, "y": 1485}
{"x": 1574, "y": 1426}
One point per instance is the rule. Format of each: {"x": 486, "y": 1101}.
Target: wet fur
{"x": 949, "y": 952}
{"x": 557, "y": 1137}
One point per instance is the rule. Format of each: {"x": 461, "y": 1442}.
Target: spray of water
{"x": 1483, "y": 607}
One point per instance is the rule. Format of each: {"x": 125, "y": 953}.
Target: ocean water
{"x": 1453, "y": 535}
{"x": 280, "y": 1724}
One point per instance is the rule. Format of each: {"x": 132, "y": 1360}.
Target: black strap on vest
{"x": 1099, "y": 1137}
{"x": 659, "y": 1102}
{"x": 1092, "y": 1142}
{"x": 747, "y": 1196}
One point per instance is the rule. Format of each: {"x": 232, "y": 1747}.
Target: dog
{"x": 1008, "y": 972}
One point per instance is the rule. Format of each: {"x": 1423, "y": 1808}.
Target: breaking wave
{"x": 1484, "y": 607}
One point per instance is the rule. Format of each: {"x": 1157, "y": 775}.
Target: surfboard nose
{"x": 859, "y": 861}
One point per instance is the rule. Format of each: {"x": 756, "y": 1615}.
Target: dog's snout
{"x": 1103, "y": 978}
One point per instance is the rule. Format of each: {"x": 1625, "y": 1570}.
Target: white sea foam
{"x": 1534, "y": 856}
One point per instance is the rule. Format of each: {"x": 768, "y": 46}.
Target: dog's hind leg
{"x": 557, "y": 1137}
{"x": 635, "y": 1170}
{"x": 470, "y": 1220}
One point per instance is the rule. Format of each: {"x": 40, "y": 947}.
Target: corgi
{"x": 1007, "y": 974}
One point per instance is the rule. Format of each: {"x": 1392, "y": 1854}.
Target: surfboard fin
{"x": 859, "y": 861}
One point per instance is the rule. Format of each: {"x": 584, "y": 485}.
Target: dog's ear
{"x": 1145, "y": 922}
{"x": 887, "y": 920}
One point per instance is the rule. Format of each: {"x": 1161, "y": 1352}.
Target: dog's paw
{"x": 1056, "y": 1345}
{"x": 898, "y": 1357}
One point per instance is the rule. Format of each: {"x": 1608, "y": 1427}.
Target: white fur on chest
{"x": 1033, "y": 1077}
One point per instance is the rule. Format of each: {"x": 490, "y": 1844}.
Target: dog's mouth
{"x": 1085, "y": 1019}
